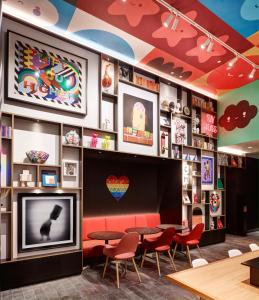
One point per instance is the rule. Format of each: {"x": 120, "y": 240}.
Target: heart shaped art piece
{"x": 117, "y": 186}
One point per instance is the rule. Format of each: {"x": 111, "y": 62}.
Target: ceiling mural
{"x": 133, "y": 30}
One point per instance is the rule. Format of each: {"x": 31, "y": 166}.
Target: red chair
{"x": 125, "y": 250}
{"x": 158, "y": 245}
{"x": 189, "y": 239}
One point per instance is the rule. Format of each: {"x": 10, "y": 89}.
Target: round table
{"x": 177, "y": 227}
{"x": 143, "y": 231}
{"x": 105, "y": 235}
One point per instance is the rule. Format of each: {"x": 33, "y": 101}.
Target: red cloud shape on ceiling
{"x": 237, "y": 116}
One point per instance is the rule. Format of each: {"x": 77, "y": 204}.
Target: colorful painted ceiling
{"x": 133, "y": 31}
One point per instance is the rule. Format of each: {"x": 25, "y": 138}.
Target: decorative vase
{"x": 72, "y": 137}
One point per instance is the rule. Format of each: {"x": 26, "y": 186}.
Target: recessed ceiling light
{"x": 219, "y": 61}
{"x": 241, "y": 75}
{"x": 232, "y": 62}
{"x": 251, "y": 75}
{"x": 168, "y": 20}
{"x": 250, "y": 147}
{"x": 205, "y": 44}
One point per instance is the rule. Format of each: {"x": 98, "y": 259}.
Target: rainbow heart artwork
{"x": 117, "y": 186}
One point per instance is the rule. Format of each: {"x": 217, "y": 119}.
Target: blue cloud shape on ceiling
{"x": 250, "y": 10}
{"x": 107, "y": 40}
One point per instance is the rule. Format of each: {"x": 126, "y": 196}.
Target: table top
{"x": 254, "y": 263}
{"x": 176, "y": 226}
{"x": 143, "y": 230}
{"x": 221, "y": 280}
{"x": 105, "y": 235}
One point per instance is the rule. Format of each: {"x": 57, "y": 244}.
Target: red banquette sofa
{"x": 93, "y": 248}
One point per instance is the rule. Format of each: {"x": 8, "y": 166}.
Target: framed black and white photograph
{"x": 39, "y": 74}
{"x": 70, "y": 168}
{"x": 46, "y": 221}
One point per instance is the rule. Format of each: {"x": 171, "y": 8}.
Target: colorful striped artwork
{"x": 117, "y": 186}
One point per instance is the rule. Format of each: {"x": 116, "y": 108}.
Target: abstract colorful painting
{"x": 42, "y": 75}
{"x": 207, "y": 172}
{"x": 137, "y": 120}
{"x": 117, "y": 186}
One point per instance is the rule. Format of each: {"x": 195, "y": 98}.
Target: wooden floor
{"x": 90, "y": 285}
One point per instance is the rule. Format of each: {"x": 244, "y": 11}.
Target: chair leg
{"x": 105, "y": 266}
{"x": 135, "y": 266}
{"x": 175, "y": 248}
{"x": 171, "y": 260}
{"x": 143, "y": 258}
{"x": 188, "y": 255}
{"x": 117, "y": 274}
{"x": 158, "y": 264}
{"x": 199, "y": 249}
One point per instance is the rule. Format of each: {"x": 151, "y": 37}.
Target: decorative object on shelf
{"x": 219, "y": 223}
{"x": 195, "y": 158}
{"x": 6, "y": 131}
{"x": 25, "y": 177}
{"x": 124, "y": 72}
{"x": 197, "y": 216}
{"x": 201, "y": 103}
{"x": 163, "y": 142}
{"x": 5, "y": 168}
{"x": 147, "y": 83}
{"x": 179, "y": 131}
{"x": 172, "y": 107}
{"x": 195, "y": 198}
{"x": 186, "y": 199}
{"x": 220, "y": 184}
{"x": 49, "y": 179}
{"x": 195, "y": 124}
{"x": 207, "y": 172}
{"x": 222, "y": 159}
{"x": 36, "y": 213}
{"x": 211, "y": 145}
{"x": 209, "y": 124}
{"x": 215, "y": 203}
{"x": 165, "y": 121}
{"x": 106, "y": 124}
{"x": 107, "y": 77}
{"x": 176, "y": 152}
{"x": 94, "y": 140}
{"x": 3, "y": 199}
{"x": 212, "y": 224}
{"x": 117, "y": 186}
{"x": 72, "y": 137}
{"x": 106, "y": 142}
{"x": 165, "y": 105}
{"x": 187, "y": 156}
{"x": 38, "y": 157}
{"x": 178, "y": 107}
{"x": 233, "y": 162}
{"x": 205, "y": 145}
{"x": 137, "y": 120}
{"x": 186, "y": 111}
{"x": 42, "y": 75}
{"x": 70, "y": 168}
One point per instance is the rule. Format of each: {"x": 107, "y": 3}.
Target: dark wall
{"x": 242, "y": 198}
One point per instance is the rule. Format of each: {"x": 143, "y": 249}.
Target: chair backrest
{"x": 166, "y": 237}
{"x": 199, "y": 262}
{"x": 254, "y": 247}
{"x": 234, "y": 252}
{"x": 128, "y": 243}
{"x": 196, "y": 233}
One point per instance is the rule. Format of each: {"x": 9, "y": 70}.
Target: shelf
{"x": 204, "y": 135}
{"x": 196, "y": 175}
{"x": 101, "y": 130}
{"x": 181, "y": 116}
{"x": 5, "y": 138}
{"x": 138, "y": 86}
{"x": 187, "y": 190}
{"x": 192, "y": 161}
{"x": 35, "y": 164}
{"x": 108, "y": 95}
{"x": 5, "y": 187}
{"x": 72, "y": 146}
{"x": 46, "y": 188}
{"x": 166, "y": 126}
{"x": 165, "y": 111}
{"x": 6, "y": 212}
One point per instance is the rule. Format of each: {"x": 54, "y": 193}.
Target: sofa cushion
{"x": 93, "y": 248}
{"x": 120, "y": 223}
{"x": 92, "y": 224}
{"x": 141, "y": 220}
{"x": 153, "y": 219}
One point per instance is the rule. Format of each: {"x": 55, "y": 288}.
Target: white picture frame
{"x": 70, "y": 168}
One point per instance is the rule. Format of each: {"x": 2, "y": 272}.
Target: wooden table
{"x": 143, "y": 231}
{"x": 105, "y": 235}
{"x": 177, "y": 227}
{"x": 226, "y": 279}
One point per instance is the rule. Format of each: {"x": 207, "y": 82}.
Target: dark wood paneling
{"x": 19, "y": 273}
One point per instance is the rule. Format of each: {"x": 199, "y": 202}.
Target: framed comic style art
{"x": 207, "y": 172}
{"x": 42, "y": 75}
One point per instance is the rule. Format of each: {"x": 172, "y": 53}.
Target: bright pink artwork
{"x": 117, "y": 186}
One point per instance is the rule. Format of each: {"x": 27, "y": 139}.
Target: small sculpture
{"x": 106, "y": 142}
{"x": 163, "y": 140}
{"x": 165, "y": 105}
{"x": 106, "y": 80}
{"x": 94, "y": 140}
{"x": 25, "y": 177}
{"x": 72, "y": 137}
{"x": 38, "y": 157}
{"x": 106, "y": 124}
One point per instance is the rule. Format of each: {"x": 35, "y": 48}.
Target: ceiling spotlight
{"x": 251, "y": 75}
{"x": 175, "y": 23}
{"x": 233, "y": 61}
{"x": 211, "y": 43}
{"x": 250, "y": 147}
{"x": 205, "y": 44}
{"x": 168, "y": 20}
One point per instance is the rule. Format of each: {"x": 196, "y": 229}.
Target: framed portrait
{"x": 39, "y": 74}
{"x": 46, "y": 221}
{"x": 108, "y": 79}
{"x": 207, "y": 172}
{"x": 49, "y": 180}
{"x": 70, "y": 168}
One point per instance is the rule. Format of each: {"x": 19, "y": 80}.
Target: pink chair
{"x": 159, "y": 245}
{"x": 125, "y": 250}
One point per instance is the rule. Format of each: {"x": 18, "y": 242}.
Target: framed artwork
{"x": 46, "y": 221}
{"x": 179, "y": 131}
{"x": 43, "y": 75}
{"x": 207, "y": 172}
{"x": 215, "y": 203}
{"x": 186, "y": 199}
{"x": 70, "y": 168}
{"x": 107, "y": 77}
{"x": 137, "y": 120}
{"x": 49, "y": 180}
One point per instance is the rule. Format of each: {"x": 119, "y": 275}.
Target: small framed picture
{"x": 70, "y": 168}
{"x": 49, "y": 180}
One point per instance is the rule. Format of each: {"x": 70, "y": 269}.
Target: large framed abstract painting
{"x": 46, "y": 221}
{"x": 43, "y": 75}
{"x": 207, "y": 172}
{"x": 137, "y": 120}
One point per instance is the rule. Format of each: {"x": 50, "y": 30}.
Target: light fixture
{"x": 211, "y": 43}
{"x": 252, "y": 73}
{"x": 233, "y": 61}
{"x": 250, "y": 147}
{"x": 175, "y": 23}
{"x": 168, "y": 20}
{"x": 205, "y": 44}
